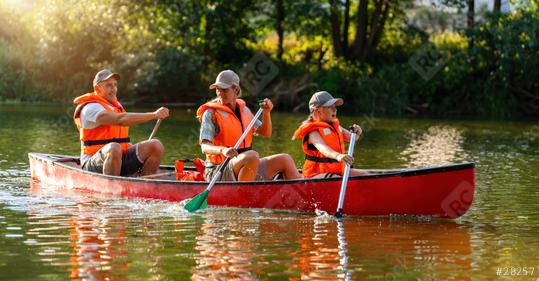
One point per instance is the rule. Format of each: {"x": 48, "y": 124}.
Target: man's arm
{"x": 129, "y": 118}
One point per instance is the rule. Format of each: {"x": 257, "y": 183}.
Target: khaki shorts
{"x": 130, "y": 162}
{"x": 228, "y": 172}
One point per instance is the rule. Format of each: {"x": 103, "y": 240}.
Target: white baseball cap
{"x": 226, "y": 79}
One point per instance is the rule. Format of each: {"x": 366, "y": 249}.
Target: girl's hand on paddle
{"x": 347, "y": 159}
{"x": 229, "y": 152}
{"x": 267, "y": 105}
{"x": 356, "y": 129}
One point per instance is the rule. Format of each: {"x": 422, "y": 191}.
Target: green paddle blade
{"x": 204, "y": 204}
{"x": 198, "y": 202}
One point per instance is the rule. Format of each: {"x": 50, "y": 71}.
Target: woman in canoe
{"x": 223, "y": 120}
{"x": 323, "y": 139}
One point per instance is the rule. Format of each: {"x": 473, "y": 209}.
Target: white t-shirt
{"x": 88, "y": 119}
{"x": 89, "y": 114}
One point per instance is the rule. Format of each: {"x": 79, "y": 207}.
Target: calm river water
{"x": 47, "y": 235}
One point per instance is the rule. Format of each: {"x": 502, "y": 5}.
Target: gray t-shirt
{"x": 88, "y": 118}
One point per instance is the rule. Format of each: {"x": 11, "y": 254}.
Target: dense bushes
{"x": 495, "y": 77}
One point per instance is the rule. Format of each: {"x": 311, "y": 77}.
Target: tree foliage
{"x": 170, "y": 50}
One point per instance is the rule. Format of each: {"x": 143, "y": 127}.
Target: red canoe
{"x": 441, "y": 191}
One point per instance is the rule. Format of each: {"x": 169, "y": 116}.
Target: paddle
{"x": 345, "y": 176}
{"x": 201, "y": 200}
{"x": 155, "y": 128}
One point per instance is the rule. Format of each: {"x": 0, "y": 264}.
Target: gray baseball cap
{"x": 105, "y": 74}
{"x": 226, "y": 79}
{"x": 323, "y": 98}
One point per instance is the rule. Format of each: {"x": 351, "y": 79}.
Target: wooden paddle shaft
{"x": 345, "y": 176}
{"x": 155, "y": 128}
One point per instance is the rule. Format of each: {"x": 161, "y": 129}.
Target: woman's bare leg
{"x": 281, "y": 163}
{"x": 245, "y": 165}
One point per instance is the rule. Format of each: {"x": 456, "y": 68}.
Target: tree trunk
{"x": 369, "y": 29}
{"x": 280, "y": 29}
{"x": 497, "y": 11}
{"x": 361, "y": 29}
{"x": 471, "y": 20}
{"x": 335, "y": 27}
{"x": 346, "y": 26}
{"x": 497, "y": 6}
{"x": 377, "y": 26}
{"x": 471, "y": 14}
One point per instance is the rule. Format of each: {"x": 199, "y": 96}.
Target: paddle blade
{"x": 198, "y": 202}
{"x": 204, "y": 204}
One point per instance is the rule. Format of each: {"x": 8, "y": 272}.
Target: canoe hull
{"x": 445, "y": 191}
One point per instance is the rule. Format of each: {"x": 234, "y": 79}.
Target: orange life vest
{"x": 186, "y": 175}
{"x": 315, "y": 161}
{"x": 94, "y": 139}
{"x": 230, "y": 127}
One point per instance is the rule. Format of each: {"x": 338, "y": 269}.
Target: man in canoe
{"x": 223, "y": 120}
{"x": 323, "y": 139}
{"x": 103, "y": 126}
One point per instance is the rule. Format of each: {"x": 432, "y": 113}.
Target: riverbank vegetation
{"x": 447, "y": 58}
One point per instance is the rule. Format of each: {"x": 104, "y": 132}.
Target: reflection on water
{"x": 438, "y": 145}
{"x": 47, "y": 234}
{"x": 349, "y": 249}
{"x": 97, "y": 248}
{"x": 101, "y": 239}
{"x": 224, "y": 250}
{"x": 343, "y": 261}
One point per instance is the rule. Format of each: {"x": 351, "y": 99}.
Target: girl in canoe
{"x": 323, "y": 139}
{"x": 222, "y": 122}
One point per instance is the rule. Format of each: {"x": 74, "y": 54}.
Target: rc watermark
{"x": 458, "y": 201}
{"x": 428, "y": 60}
{"x": 287, "y": 197}
{"x": 257, "y": 73}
